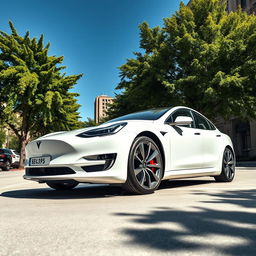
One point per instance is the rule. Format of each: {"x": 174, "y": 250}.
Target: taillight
{"x": 2, "y": 155}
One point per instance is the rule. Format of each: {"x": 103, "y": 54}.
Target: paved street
{"x": 184, "y": 217}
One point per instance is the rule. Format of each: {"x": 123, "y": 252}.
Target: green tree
{"x": 203, "y": 57}
{"x": 14, "y": 143}
{"x": 35, "y": 93}
{"x": 2, "y": 137}
{"x": 89, "y": 123}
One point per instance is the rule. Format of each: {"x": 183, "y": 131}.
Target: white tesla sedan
{"x": 136, "y": 150}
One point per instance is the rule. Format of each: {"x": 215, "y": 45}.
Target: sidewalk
{"x": 246, "y": 164}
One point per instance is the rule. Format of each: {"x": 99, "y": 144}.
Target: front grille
{"x": 48, "y": 171}
{"x": 93, "y": 168}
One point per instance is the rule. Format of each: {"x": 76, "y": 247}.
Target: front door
{"x": 186, "y": 150}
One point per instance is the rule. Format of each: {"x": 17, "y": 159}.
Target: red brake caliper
{"x": 152, "y": 162}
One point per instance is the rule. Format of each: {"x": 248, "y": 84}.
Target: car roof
{"x": 5, "y": 150}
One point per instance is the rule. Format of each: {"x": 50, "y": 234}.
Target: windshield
{"x": 151, "y": 114}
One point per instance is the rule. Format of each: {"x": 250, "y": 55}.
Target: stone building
{"x": 101, "y": 106}
{"x": 248, "y": 6}
{"x": 243, "y": 135}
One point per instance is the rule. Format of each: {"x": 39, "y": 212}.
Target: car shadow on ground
{"x": 165, "y": 184}
{"x": 212, "y": 229}
{"x": 91, "y": 191}
{"x": 82, "y": 191}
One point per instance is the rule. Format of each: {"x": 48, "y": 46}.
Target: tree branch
{"x": 15, "y": 130}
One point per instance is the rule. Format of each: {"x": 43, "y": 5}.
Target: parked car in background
{"x": 8, "y": 158}
{"x": 15, "y": 158}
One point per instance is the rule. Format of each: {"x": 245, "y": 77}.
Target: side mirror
{"x": 182, "y": 120}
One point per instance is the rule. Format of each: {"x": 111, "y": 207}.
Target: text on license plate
{"x": 44, "y": 160}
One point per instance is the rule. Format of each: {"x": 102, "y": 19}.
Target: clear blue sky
{"x": 94, "y": 36}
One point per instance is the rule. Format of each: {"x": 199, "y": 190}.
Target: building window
{"x": 243, "y": 4}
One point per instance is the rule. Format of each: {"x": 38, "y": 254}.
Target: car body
{"x": 137, "y": 150}
{"x": 15, "y": 158}
{"x": 8, "y": 158}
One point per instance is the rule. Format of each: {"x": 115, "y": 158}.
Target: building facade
{"x": 248, "y": 6}
{"x": 101, "y": 106}
{"x": 242, "y": 133}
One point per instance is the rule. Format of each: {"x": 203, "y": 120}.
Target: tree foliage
{"x": 14, "y": 143}
{"x": 35, "y": 93}
{"x": 203, "y": 57}
{"x": 90, "y": 122}
{"x": 2, "y": 137}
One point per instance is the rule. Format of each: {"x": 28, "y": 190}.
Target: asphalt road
{"x": 184, "y": 217}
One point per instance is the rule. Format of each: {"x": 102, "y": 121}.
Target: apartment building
{"x": 101, "y": 106}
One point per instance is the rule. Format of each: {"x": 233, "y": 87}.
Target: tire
{"x": 7, "y": 166}
{"x": 228, "y": 167}
{"x": 64, "y": 185}
{"x": 145, "y": 167}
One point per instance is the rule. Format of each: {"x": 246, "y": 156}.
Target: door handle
{"x": 218, "y": 135}
{"x": 197, "y": 133}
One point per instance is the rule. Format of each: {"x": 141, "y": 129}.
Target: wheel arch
{"x": 154, "y": 137}
{"x": 232, "y": 150}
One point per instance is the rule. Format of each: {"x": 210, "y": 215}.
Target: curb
{"x": 16, "y": 169}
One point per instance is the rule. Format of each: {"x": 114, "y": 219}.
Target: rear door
{"x": 186, "y": 151}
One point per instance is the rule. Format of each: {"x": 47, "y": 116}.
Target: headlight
{"x": 104, "y": 131}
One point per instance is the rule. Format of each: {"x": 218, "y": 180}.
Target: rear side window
{"x": 202, "y": 123}
{"x": 211, "y": 125}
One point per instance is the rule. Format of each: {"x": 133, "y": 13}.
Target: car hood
{"x": 75, "y": 132}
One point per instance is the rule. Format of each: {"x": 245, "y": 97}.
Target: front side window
{"x": 180, "y": 112}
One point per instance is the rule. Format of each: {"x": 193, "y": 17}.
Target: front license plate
{"x": 37, "y": 161}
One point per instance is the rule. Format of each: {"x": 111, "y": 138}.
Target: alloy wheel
{"x": 229, "y": 163}
{"x": 7, "y": 166}
{"x": 147, "y": 165}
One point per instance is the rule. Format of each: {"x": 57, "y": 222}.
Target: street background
{"x": 184, "y": 217}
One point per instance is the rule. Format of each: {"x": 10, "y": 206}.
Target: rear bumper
{"x": 16, "y": 163}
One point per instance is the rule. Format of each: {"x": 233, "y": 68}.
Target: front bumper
{"x": 76, "y": 154}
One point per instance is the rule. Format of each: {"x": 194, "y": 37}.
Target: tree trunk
{"x": 23, "y": 142}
